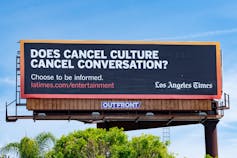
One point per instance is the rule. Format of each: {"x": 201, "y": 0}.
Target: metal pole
{"x": 211, "y": 137}
{"x": 6, "y": 112}
{"x": 16, "y": 87}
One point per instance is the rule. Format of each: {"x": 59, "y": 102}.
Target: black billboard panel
{"x": 120, "y": 69}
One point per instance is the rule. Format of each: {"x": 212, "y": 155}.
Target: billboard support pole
{"x": 211, "y": 137}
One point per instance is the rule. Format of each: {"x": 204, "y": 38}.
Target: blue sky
{"x": 176, "y": 20}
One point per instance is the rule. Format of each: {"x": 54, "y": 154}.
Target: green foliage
{"x": 122, "y": 151}
{"x": 149, "y": 146}
{"x": 11, "y": 148}
{"x": 30, "y": 148}
{"x": 45, "y": 141}
{"x": 99, "y": 143}
{"x": 90, "y": 143}
{"x": 26, "y": 148}
{"x": 93, "y": 143}
{"x": 208, "y": 156}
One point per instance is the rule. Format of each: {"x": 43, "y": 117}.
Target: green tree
{"x": 149, "y": 146}
{"x": 99, "y": 143}
{"x": 45, "y": 142}
{"x": 30, "y": 148}
{"x": 93, "y": 143}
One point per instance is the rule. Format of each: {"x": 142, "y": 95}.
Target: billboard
{"x": 120, "y": 69}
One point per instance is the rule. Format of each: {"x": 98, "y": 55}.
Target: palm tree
{"x": 45, "y": 142}
{"x": 30, "y": 148}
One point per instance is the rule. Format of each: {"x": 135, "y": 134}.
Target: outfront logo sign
{"x": 120, "y": 69}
